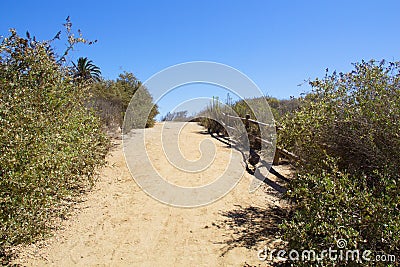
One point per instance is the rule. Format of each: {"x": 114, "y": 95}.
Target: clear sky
{"x": 278, "y": 44}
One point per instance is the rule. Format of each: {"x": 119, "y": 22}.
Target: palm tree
{"x": 85, "y": 70}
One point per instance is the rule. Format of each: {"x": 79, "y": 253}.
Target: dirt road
{"x": 119, "y": 225}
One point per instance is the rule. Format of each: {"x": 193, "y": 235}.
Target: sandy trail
{"x": 119, "y": 225}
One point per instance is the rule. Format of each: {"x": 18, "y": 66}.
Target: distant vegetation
{"x": 110, "y": 99}
{"x": 254, "y": 107}
{"x": 177, "y": 116}
{"x": 278, "y": 107}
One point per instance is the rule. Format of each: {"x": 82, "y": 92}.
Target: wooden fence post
{"x": 276, "y": 158}
{"x": 247, "y": 123}
{"x": 279, "y": 152}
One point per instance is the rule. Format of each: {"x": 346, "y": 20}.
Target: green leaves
{"x": 85, "y": 70}
{"x": 110, "y": 100}
{"x": 347, "y": 129}
{"x": 50, "y": 145}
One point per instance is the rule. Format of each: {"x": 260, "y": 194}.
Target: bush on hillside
{"x": 348, "y": 186}
{"x": 50, "y": 144}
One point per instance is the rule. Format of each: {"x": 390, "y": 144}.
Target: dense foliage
{"x": 50, "y": 144}
{"x": 348, "y": 187}
{"x": 110, "y": 99}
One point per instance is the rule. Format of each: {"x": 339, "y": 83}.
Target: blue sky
{"x": 278, "y": 44}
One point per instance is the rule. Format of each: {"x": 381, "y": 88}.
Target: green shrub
{"x": 347, "y": 134}
{"x": 110, "y": 99}
{"x": 50, "y": 144}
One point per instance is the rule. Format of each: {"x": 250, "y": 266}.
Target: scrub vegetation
{"x": 52, "y": 119}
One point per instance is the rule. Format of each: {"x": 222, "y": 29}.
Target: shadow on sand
{"x": 250, "y": 226}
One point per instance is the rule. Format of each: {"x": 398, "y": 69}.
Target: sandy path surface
{"x": 120, "y": 225}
